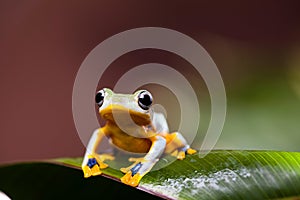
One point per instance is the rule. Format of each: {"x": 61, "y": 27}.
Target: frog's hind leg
{"x": 177, "y": 146}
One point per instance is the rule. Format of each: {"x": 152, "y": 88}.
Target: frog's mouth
{"x": 120, "y": 114}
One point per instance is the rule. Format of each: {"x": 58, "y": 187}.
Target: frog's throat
{"x": 115, "y": 112}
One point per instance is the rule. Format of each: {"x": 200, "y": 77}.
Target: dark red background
{"x": 43, "y": 43}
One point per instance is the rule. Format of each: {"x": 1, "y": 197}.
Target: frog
{"x": 132, "y": 126}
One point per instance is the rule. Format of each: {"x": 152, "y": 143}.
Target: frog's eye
{"x": 145, "y": 100}
{"x": 100, "y": 97}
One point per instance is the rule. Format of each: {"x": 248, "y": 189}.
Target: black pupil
{"x": 99, "y": 97}
{"x": 145, "y": 100}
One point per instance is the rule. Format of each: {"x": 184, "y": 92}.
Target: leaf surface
{"x": 219, "y": 175}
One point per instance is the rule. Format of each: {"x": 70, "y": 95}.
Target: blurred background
{"x": 256, "y": 46}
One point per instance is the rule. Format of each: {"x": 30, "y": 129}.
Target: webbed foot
{"x": 94, "y": 164}
{"x": 133, "y": 181}
{"x": 133, "y": 177}
{"x": 135, "y": 172}
{"x": 180, "y": 154}
{"x": 191, "y": 151}
{"x": 91, "y": 168}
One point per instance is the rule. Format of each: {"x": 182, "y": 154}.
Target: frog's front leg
{"x": 92, "y": 162}
{"x": 143, "y": 165}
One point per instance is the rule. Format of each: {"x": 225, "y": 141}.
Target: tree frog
{"x": 131, "y": 125}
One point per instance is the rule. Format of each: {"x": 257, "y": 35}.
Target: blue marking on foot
{"x": 91, "y": 162}
{"x": 135, "y": 169}
{"x": 184, "y": 149}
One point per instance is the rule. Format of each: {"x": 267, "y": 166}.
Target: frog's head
{"x": 114, "y": 106}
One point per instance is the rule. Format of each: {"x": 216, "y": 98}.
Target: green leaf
{"x": 219, "y": 175}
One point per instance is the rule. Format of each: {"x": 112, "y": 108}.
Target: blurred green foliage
{"x": 263, "y": 114}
